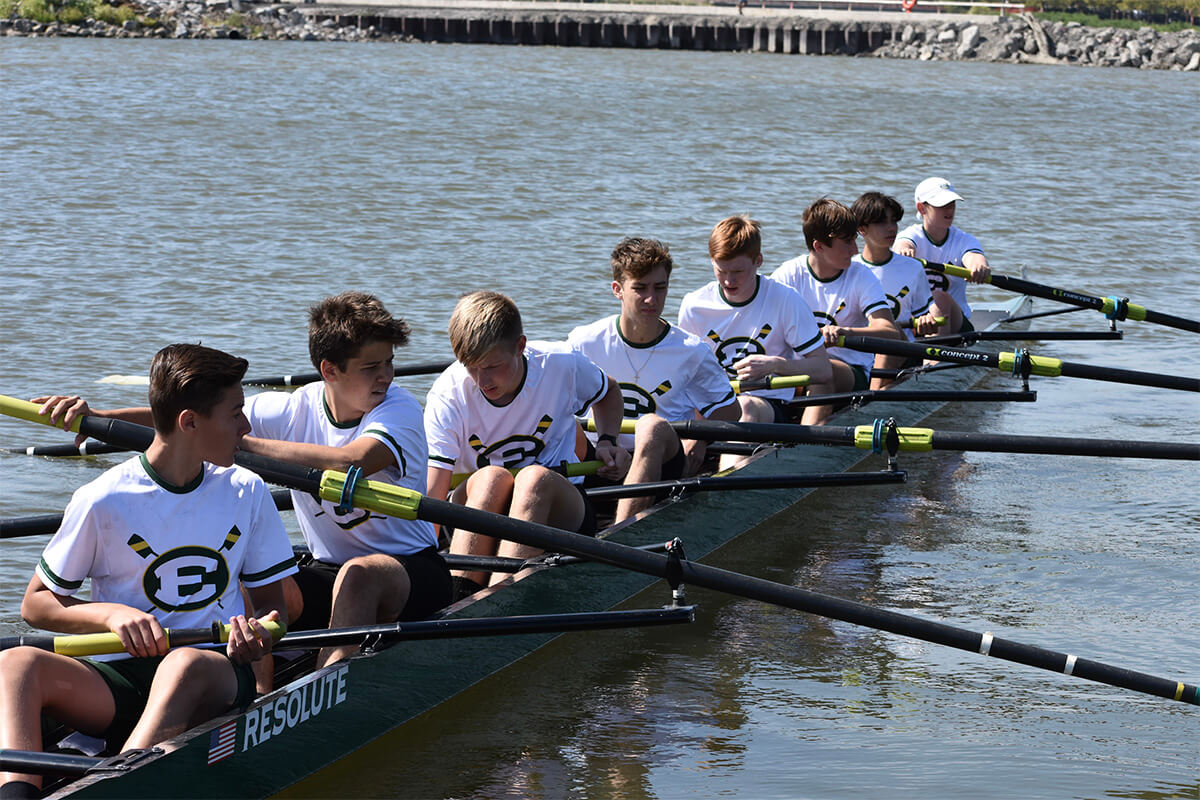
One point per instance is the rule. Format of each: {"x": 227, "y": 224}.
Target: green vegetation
{"x": 1095, "y": 21}
{"x": 68, "y": 12}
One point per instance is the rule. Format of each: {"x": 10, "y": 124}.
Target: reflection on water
{"x": 212, "y": 191}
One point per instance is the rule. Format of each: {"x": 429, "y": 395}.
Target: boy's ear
{"x": 186, "y": 421}
{"x": 758, "y": 261}
{"x": 616, "y": 289}
{"x": 328, "y": 371}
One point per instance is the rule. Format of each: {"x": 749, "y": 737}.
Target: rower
{"x": 902, "y": 278}
{"x": 510, "y": 403}
{"x": 845, "y": 298}
{"x": 756, "y": 326}
{"x": 366, "y": 568}
{"x": 936, "y": 238}
{"x": 666, "y": 374}
{"x": 140, "y": 532}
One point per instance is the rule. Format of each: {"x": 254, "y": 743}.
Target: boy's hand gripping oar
{"x": 1115, "y": 308}
{"x": 395, "y": 501}
{"x": 1020, "y": 363}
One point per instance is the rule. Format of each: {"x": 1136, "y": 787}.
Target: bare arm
{"x": 608, "y": 412}
{"x": 879, "y": 324}
{"x": 365, "y": 452}
{"x": 140, "y": 632}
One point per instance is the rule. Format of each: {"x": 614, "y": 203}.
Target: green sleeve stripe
{"x": 382, "y": 434}
{"x": 809, "y": 343}
{"x": 596, "y": 396}
{"x": 875, "y": 307}
{"x": 724, "y": 401}
{"x": 282, "y": 566}
{"x": 442, "y": 459}
{"x": 916, "y": 312}
{"x": 57, "y": 580}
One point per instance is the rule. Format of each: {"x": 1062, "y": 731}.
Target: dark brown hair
{"x": 826, "y": 220}
{"x": 339, "y": 326}
{"x": 634, "y": 257}
{"x": 875, "y": 207}
{"x": 190, "y": 376}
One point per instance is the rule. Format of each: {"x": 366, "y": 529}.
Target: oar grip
{"x": 395, "y": 501}
{"x": 23, "y": 409}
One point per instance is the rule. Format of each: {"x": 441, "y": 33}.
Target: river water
{"x": 154, "y": 192}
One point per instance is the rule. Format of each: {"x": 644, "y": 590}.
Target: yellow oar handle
{"x": 958, "y": 272}
{"x": 570, "y": 470}
{"x": 98, "y": 644}
{"x": 909, "y": 322}
{"x": 1131, "y": 311}
{"x": 22, "y": 409}
{"x": 912, "y": 439}
{"x": 1039, "y": 365}
{"x": 773, "y": 382}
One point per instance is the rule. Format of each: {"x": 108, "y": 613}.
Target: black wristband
{"x": 606, "y": 437}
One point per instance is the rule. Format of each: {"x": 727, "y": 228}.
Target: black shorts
{"x": 785, "y": 412}
{"x": 428, "y": 577}
{"x": 672, "y": 469}
{"x": 129, "y": 681}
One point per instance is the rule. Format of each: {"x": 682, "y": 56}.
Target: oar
{"x": 396, "y": 501}
{"x": 872, "y": 437}
{"x": 301, "y": 379}
{"x": 910, "y": 322}
{"x": 505, "y": 564}
{"x": 970, "y": 337}
{"x": 771, "y": 382}
{"x": 1019, "y": 363}
{"x": 92, "y": 644}
{"x": 88, "y": 448}
{"x": 97, "y": 644}
{"x": 31, "y": 762}
{"x": 914, "y": 396}
{"x": 46, "y": 524}
{"x": 1112, "y": 307}
{"x": 723, "y": 483}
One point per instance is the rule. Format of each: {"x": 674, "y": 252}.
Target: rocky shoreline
{"x": 1006, "y": 39}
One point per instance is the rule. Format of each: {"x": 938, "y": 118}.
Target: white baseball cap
{"x": 937, "y": 192}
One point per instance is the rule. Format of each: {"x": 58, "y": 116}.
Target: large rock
{"x": 1194, "y": 64}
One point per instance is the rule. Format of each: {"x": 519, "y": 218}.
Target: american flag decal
{"x": 221, "y": 742}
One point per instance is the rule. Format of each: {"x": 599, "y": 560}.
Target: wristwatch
{"x": 606, "y": 437}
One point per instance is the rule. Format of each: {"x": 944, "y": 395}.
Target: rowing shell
{"x": 320, "y": 717}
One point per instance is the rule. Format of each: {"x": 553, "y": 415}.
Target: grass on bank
{"x": 69, "y": 12}
{"x": 1094, "y": 21}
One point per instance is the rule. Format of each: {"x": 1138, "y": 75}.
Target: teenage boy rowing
{"x": 666, "y": 374}
{"x": 168, "y": 539}
{"x": 367, "y": 568}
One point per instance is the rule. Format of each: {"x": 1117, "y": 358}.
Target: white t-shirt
{"x": 903, "y": 281}
{"x": 673, "y": 376}
{"x": 175, "y": 552}
{"x": 302, "y": 416}
{"x": 844, "y": 300}
{"x": 957, "y": 244}
{"x": 774, "y": 322}
{"x": 466, "y": 431}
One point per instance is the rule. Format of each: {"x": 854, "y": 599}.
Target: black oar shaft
{"x": 916, "y": 395}
{"x": 46, "y": 524}
{"x": 744, "y": 482}
{"x": 1064, "y": 446}
{"x": 303, "y": 378}
{"x": 1020, "y": 336}
{"x": 27, "y": 761}
{"x": 491, "y": 626}
{"x": 893, "y": 347}
{"x": 88, "y": 448}
{"x": 752, "y": 588}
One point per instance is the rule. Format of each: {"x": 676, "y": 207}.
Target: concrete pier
{"x": 779, "y": 30}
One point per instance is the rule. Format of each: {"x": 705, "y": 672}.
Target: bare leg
{"x": 655, "y": 443}
{"x": 190, "y": 686}
{"x": 949, "y": 309}
{"x": 368, "y": 589}
{"x": 33, "y": 681}
{"x": 490, "y": 489}
{"x": 843, "y": 381}
{"x": 542, "y": 496}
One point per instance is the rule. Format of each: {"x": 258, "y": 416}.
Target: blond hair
{"x": 481, "y": 322}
